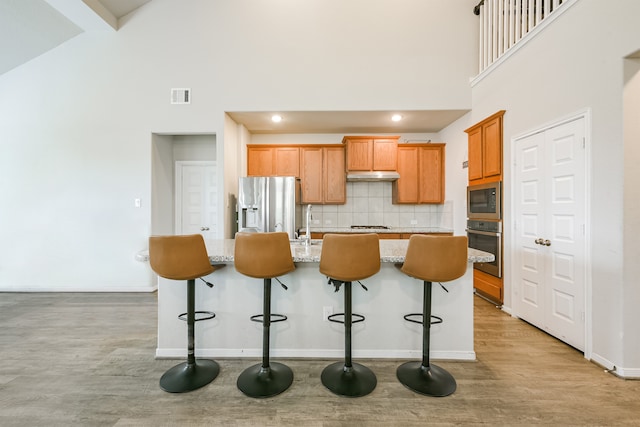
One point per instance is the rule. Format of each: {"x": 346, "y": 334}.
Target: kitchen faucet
{"x": 307, "y": 237}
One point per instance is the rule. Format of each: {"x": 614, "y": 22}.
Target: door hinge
{"x": 584, "y": 143}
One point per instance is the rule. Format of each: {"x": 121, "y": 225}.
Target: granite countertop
{"x": 379, "y": 230}
{"x": 390, "y": 251}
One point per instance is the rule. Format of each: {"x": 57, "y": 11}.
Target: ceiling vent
{"x": 181, "y": 96}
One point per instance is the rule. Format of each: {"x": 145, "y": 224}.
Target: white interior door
{"x": 196, "y": 192}
{"x": 550, "y": 243}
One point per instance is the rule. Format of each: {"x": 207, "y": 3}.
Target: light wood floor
{"x": 88, "y": 359}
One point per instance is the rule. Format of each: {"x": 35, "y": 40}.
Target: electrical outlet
{"x": 326, "y": 312}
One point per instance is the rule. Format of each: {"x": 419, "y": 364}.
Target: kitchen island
{"x": 306, "y": 333}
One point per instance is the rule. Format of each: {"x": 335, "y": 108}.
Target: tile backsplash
{"x": 369, "y": 203}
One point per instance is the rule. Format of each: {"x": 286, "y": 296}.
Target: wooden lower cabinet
{"x": 488, "y": 286}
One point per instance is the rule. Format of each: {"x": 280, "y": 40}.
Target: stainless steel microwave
{"x": 484, "y": 201}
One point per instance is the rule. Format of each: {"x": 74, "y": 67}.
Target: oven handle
{"x": 484, "y": 233}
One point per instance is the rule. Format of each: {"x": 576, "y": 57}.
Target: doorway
{"x": 549, "y": 247}
{"x": 168, "y": 152}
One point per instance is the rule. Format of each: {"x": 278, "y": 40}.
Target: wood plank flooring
{"x": 88, "y": 360}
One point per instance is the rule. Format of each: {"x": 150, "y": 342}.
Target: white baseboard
{"x": 618, "y": 371}
{"x": 607, "y": 364}
{"x": 180, "y": 353}
{"x": 627, "y": 373}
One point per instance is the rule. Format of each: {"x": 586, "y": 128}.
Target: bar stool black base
{"x": 187, "y": 377}
{"x": 259, "y": 382}
{"x": 430, "y": 381}
{"x": 354, "y": 381}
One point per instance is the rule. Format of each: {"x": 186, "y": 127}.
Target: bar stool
{"x": 346, "y": 258}
{"x": 264, "y": 256}
{"x": 185, "y": 258}
{"x": 431, "y": 259}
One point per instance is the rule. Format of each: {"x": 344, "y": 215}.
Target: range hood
{"x": 372, "y": 176}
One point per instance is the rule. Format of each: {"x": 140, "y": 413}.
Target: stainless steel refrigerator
{"x": 269, "y": 203}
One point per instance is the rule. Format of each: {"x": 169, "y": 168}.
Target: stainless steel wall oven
{"x": 486, "y": 235}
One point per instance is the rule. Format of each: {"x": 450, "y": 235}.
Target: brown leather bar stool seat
{"x": 264, "y": 256}
{"x": 185, "y": 258}
{"x": 431, "y": 259}
{"x": 346, "y": 258}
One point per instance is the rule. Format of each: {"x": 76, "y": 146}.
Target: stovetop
{"x": 370, "y": 227}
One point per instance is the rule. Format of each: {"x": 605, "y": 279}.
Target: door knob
{"x": 204, "y": 228}
{"x": 547, "y": 243}
{"x": 539, "y": 241}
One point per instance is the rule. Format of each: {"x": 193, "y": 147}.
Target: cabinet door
{"x": 385, "y": 152}
{"x": 431, "y": 166}
{"x": 335, "y": 184}
{"x": 311, "y": 174}
{"x": 287, "y": 161}
{"x": 492, "y": 148}
{"x": 405, "y": 189}
{"x": 475, "y": 154}
{"x": 359, "y": 154}
{"x": 260, "y": 161}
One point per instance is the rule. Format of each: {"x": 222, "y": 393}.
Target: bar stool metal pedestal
{"x": 431, "y": 259}
{"x": 185, "y": 258}
{"x": 344, "y": 259}
{"x": 265, "y": 256}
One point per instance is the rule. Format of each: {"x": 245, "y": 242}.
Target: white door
{"x": 196, "y": 195}
{"x": 549, "y": 238}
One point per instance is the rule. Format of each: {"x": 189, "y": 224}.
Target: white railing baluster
{"x": 500, "y": 20}
{"x": 518, "y": 19}
{"x": 503, "y": 23}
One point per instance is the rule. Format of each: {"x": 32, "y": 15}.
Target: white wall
{"x": 77, "y": 123}
{"x": 631, "y": 289}
{"x": 577, "y": 63}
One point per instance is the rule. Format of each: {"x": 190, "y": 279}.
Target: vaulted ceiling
{"x": 29, "y": 28}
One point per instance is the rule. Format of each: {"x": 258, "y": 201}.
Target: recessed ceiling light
{"x": 276, "y": 118}
{"x": 396, "y": 117}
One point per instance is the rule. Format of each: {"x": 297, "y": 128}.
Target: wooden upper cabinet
{"x": 475, "y": 154}
{"x": 371, "y": 153}
{"x": 385, "y": 154}
{"x": 311, "y": 174}
{"x": 431, "y": 166}
{"x": 323, "y": 175}
{"x": 492, "y": 147}
{"x": 287, "y": 161}
{"x": 421, "y": 169}
{"x": 405, "y": 189}
{"x": 259, "y": 161}
{"x": 485, "y": 149}
{"x": 335, "y": 178}
{"x": 359, "y": 154}
{"x": 269, "y": 160}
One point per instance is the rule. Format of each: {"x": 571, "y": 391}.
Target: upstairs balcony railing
{"x": 505, "y": 23}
